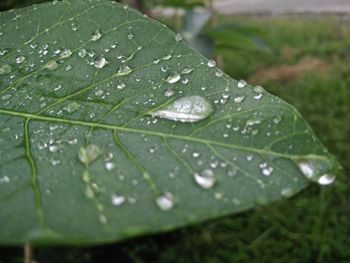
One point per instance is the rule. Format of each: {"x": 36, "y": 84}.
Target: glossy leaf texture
{"x": 89, "y": 152}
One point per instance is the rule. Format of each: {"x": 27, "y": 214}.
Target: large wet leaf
{"x": 112, "y": 127}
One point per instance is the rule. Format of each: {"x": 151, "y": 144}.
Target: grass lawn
{"x": 308, "y": 66}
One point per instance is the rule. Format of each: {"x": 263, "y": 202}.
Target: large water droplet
{"x": 326, "y": 179}
{"x": 205, "y": 178}
{"x": 89, "y": 153}
{"x": 173, "y": 79}
{"x": 186, "y": 109}
{"x": 124, "y": 70}
{"x": 100, "y": 62}
{"x": 20, "y": 59}
{"x": 317, "y": 170}
{"x": 96, "y": 35}
{"x": 165, "y": 201}
{"x": 5, "y": 69}
{"x": 66, "y": 53}
{"x": 241, "y": 84}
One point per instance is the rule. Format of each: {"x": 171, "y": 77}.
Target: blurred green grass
{"x": 314, "y": 225}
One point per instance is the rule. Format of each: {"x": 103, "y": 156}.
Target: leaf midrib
{"x": 157, "y": 134}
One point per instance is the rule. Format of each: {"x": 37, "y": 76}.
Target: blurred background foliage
{"x": 303, "y": 59}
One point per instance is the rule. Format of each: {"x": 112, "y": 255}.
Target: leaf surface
{"x": 82, "y": 159}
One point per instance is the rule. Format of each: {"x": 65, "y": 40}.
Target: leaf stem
{"x": 28, "y": 253}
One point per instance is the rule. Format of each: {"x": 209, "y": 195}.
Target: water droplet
{"x": 82, "y": 52}
{"x": 51, "y": 65}
{"x": 100, "y": 62}
{"x": 165, "y": 201}
{"x": 4, "y": 179}
{"x": 20, "y": 59}
{"x": 267, "y": 171}
{"x": 211, "y": 63}
{"x": 124, "y": 70}
{"x": 218, "y": 74}
{"x": 54, "y": 148}
{"x": 89, "y": 153}
{"x": 286, "y": 192}
{"x": 6, "y": 97}
{"x": 186, "y": 109}
{"x": 196, "y": 154}
{"x": 168, "y": 93}
{"x": 66, "y": 53}
{"x": 249, "y": 157}
{"x": 238, "y": 99}
{"x": 205, "y": 178}
{"x": 72, "y": 107}
{"x": 277, "y": 119}
{"x": 121, "y": 86}
{"x": 241, "y": 84}
{"x": 187, "y": 70}
{"x": 173, "y": 79}
{"x": 306, "y": 168}
{"x": 326, "y": 179}
{"x": 5, "y": 69}
{"x": 178, "y": 37}
{"x": 185, "y": 81}
{"x": 167, "y": 57}
{"x": 317, "y": 170}
{"x": 258, "y": 96}
{"x": 232, "y": 172}
{"x": 99, "y": 92}
{"x": 118, "y": 200}
{"x": 96, "y": 36}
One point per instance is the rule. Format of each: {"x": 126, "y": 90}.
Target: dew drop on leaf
{"x": 241, "y": 84}
{"x": 124, "y": 70}
{"x": 6, "y": 97}
{"x": 238, "y": 99}
{"x": 165, "y": 201}
{"x": 317, "y": 170}
{"x": 82, "y": 52}
{"x": 168, "y": 93}
{"x": 205, "y": 178}
{"x": 118, "y": 200}
{"x": 211, "y": 63}
{"x": 5, "y": 69}
{"x": 186, "y": 109}
{"x": 96, "y": 36}
{"x": 89, "y": 153}
{"x": 173, "y": 79}
{"x": 121, "y": 86}
{"x": 51, "y": 65}
{"x": 20, "y": 59}
{"x": 100, "y": 62}
{"x": 326, "y": 179}
{"x": 66, "y": 53}
{"x": 178, "y": 37}
{"x": 4, "y": 179}
{"x": 72, "y": 107}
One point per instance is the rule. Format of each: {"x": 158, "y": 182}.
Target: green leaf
{"x": 82, "y": 159}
